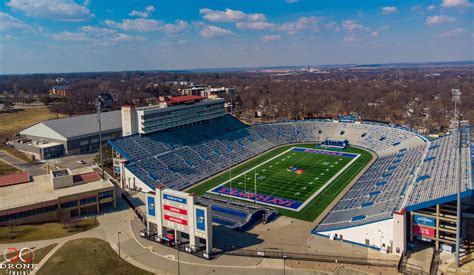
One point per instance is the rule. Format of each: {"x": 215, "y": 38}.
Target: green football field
{"x": 300, "y": 183}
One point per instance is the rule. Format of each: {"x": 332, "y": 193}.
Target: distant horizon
{"x": 62, "y": 36}
{"x": 241, "y": 69}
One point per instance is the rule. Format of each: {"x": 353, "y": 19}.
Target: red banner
{"x": 175, "y": 209}
{"x": 423, "y": 231}
{"x": 175, "y": 220}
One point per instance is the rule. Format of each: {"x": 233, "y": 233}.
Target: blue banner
{"x": 151, "y": 206}
{"x": 200, "y": 219}
{"x": 280, "y": 202}
{"x": 422, "y": 220}
{"x": 173, "y": 198}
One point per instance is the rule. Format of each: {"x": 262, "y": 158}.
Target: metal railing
{"x": 281, "y": 254}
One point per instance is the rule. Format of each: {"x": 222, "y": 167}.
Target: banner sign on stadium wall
{"x": 422, "y": 220}
{"x": 200, "y": 219}
{"x": 151, "y": 205}
{"x": 280, "y": 202}
{"x": 175, "y": 220}
{"x": 423, "y": 231}
{"x": 174, "y": 198}
{"x": 175, "y": 209}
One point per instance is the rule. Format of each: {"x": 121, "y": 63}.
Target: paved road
{"x": 161, "y": 260}
{"x": 33, "y": 169}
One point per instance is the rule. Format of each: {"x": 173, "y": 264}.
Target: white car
{"x": 80, "y": 162}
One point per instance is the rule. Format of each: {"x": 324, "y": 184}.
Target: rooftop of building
{"x": 185, "y": 98}
{"x": 12, "y": 179}
{"x": 76, "y": 126}
{"x": 40, "y": 190}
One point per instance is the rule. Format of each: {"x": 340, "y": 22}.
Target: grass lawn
{"x": 6, "y": 168}
{"x": 275, "y": 178}
{"x": 39, "y": 255}
{"x": 12, "y": 123}
{"x": 88, "y": 256}
{"x": 24, "y": 233}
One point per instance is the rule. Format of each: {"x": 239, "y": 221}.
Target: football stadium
{"x": 372, "y": 184}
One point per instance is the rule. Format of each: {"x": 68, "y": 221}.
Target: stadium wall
{"x": 376, "y": 235}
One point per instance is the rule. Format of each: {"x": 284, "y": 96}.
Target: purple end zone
{"x": 323, "y": 152}
{"x": 284, "y": 203}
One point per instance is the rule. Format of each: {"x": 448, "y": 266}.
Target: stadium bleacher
{"x": 409, "y": 171}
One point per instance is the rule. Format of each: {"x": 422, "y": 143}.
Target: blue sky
{"x": 104, "y": 35}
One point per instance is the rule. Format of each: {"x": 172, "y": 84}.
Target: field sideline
{"x": 290, "y": 186}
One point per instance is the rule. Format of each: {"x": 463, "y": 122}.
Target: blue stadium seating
{"x": 409, "y": 170}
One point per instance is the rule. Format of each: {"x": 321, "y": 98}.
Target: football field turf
{"x": 299, "y": 180}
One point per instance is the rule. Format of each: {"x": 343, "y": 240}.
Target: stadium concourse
{"x": 412, "y": 177}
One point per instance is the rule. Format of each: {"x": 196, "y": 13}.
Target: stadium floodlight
{"x": 245, "y": 184}
{"x": 230, "y": 181}
{"x": 456, "y": 97}
{"x": 255, "y": 180}
{"x": 99, "y": 104}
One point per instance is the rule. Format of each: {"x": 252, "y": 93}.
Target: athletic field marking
{"x": 308, "y": 200}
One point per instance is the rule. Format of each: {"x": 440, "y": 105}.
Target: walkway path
{"x": 159, "y": 259}
{"x": 32, "y": 169}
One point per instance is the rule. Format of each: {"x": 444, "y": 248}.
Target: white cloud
{"x": 439, "y": 19}
{"x": 148, "y": 25}
{"x": 8, "y": 22}
{"x": 270, "y": 37}
{"x": 351, "y": 25}
{"x": 144, "y": 14}
{"x": 10, "y": 37}
{"x": 455, "y": 4}
{"x": 302, "y": 24}
{"x": 430, "y": 8}
{"x": 292, "y": 1}
{"x": 62, "y": 10}
{"x": 230, "y": 15}
{"x": 178, "y": 26}
{"x": 333, "y": 26}
{"x": 254, "y": 25}
{"x": 379, "y": 31}
{"x": 213, "y": 31}
{"x": 389, "y": 10}
{"x": 452, "y": 33}
{"x": 97, "y": 31}
{"x": 139, "y": 24}
{"x": 95, "y": 35}
{"x": 352, "y": 39}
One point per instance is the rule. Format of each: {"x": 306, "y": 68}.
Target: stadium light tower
{"x": 456, "y": 97}
{"x": 99, "y": 104}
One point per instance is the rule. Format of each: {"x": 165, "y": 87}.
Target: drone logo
{"x": 17, "y": 260}
{"x": 13, "y": 255}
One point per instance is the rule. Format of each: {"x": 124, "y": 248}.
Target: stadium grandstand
{"x": 410, "y": 176}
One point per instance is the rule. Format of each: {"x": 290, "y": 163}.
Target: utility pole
{"x": 230, "y": 181}
{"x": 255, "y": 181}
{"x": 118, "y": 243}
{"x": 99, "y": 107}
{"x": 179, "y": 271}
{"x": 456, "y": 96}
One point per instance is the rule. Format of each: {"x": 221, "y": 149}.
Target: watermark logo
{"x": 18, "y": 261}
